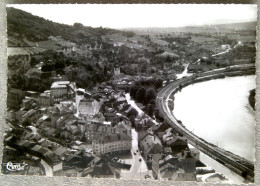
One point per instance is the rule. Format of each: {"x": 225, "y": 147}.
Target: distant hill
{"x": 24, "y": 28}
{"x": 238, "y": 26}
{"x": 197, "y": 29}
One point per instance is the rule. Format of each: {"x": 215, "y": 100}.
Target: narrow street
{"x": 184, "y": 73}
{"x": 138, "y": 169}
{"x": 133, "y": 104}
{"x": 48, "y": 169}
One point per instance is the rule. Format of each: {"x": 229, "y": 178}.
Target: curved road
{"x": 235, "y": 163}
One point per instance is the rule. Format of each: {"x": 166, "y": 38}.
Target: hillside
{"x": 24, "y": 29}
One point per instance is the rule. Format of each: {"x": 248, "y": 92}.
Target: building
{"x": 116, "y": 70}
{"x": 29, "y": 114}
{"x": 88, "y": 108}
{"x": 112, "y": 144}
{"x": 19, "y": 114}
{"x": 60, "y": 114}
{"x": 107, "y": 139}
{"x": 62, "y": 90}
{"x": 45, "y": 99}
{"x": 150, "y": 145}
{"x": 103, "y": 170}
{"x": 176, "y": 142}
{"x": 173, "y": 168}
{"x": 114, "y": 118}
{"x": 32, "y": 77}
{"x": 194, "y": 68}
{"x": 163, "y": 167}
{"x": 93, "y": 131}
{"x": 14, "y": 98}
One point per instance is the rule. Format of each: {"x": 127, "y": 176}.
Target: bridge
{"x": 235, "y": 163}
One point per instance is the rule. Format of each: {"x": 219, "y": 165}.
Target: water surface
{"x": 217, "y": 111}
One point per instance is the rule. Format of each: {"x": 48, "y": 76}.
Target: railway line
{"x": 234, "y": 162}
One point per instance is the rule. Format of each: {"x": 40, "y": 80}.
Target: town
{"x": 85, "y": 106}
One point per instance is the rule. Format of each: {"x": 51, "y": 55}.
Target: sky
{"x": 140, "y": 15}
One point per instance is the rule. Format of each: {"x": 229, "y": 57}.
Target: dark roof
{"x": 103, "y": 169}
{"x": 176, "y": 141}
{"x": 195, "y": 67}
{"x": 59, "y": 151}
{"x": 16, "y": 91}
{"x": 142, "y": 135}
{"x": 151, "y": 145}
{"x": 112, "y": 138}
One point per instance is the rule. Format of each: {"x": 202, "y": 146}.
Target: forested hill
{"x": 24, "y": 27}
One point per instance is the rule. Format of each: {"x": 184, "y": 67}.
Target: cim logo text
{"x": 14, "y": 166}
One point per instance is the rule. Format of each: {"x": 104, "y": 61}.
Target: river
{"x": 218, "y": 112}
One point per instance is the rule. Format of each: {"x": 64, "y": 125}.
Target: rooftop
{"x": 60, "y": 84}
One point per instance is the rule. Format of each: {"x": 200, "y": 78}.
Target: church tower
{"x": 116, "y": 70}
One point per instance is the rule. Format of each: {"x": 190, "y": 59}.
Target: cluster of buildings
{"x": 71, "y": 125}
{"x": 167, "y": 154}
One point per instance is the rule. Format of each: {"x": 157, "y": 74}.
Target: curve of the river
{"x": 218, "y": 111}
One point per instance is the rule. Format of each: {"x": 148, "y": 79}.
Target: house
{"x": 188, "y": 162}
{"x": 88, "y": 108}
{"x": 172, "y": 168}
{"x": 103, "y": 170}
{"x": 194, "y": 68}
{"x": 122, "y": 85}
{"x": 112, "y": 144}
{"x": 26, "y": 103}
{"x": 19, "y": 114}
{"x": 107, "y": 139}
{"x": 116, "y": 70}
{"x": 33, "y": 77}
{"x": 62, "y": 90}
{"x": 149, "y": 146}
{"x": 60, "y": 151}
{"x": 114, "y": 118}
{"x": 42, "y": 119}
{"x": 29, "y": 114}
{"x": 14, "y": 98}
{"x": 176, "y": 142}
{"x": 163, "y": 167}
{"x": 182, "y": 176}
{"x": 61, "y": 121}
{"x": 73, "y": 129}
{"x": 45, "y": 98}
{"x": 59, "y": 114}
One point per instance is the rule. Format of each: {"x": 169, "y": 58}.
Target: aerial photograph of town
{"x": 143, "y": 92}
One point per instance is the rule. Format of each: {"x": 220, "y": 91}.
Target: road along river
{"x": 218, "y": 111}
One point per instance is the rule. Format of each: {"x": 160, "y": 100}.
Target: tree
{"x": 132, "y": 113}
{"x": 168, "y": 59}
{"x": 105, "y": 70}
{"x": 78, "y": 25}
{"x": 150, "y": 110}
{"x": 59, "y": 65}
{"x": 143, "y": 68}
{"x": 158, "y": 83}
{"x": 133, "y": 89}
{"x": 132, "y": 120}
{"x": 140, "y": 94}
{"x": 150, "y": 94}
{"x": 33, "y": 62}
{"x": 46, "y": 68}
